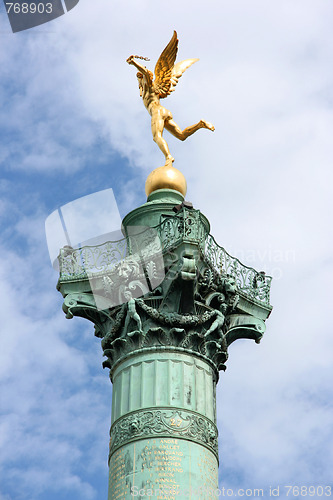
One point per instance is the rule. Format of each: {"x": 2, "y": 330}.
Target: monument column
{"x": 166, "y": 301}
{"x": 166, "y": 314}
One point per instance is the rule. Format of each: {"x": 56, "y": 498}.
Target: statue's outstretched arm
{"x": 141, "y": 68}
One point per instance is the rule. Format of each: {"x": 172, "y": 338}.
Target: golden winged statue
{"x": 167, "y": 74}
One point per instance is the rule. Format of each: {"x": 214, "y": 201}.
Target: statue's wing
{"x": 164, "y": 66}
{"x": 178, "y": 70}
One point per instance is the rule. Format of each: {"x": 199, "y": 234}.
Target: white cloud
{"x": 51, "y": 388}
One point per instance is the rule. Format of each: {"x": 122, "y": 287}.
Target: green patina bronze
{"x": 167, "y": 301}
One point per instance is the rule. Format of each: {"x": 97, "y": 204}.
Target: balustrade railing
{"x": 82, "y": 263}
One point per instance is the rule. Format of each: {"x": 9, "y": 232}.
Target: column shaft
{"x": 163, "y": 432}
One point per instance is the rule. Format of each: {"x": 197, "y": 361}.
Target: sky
{"x": 71, "y": 124}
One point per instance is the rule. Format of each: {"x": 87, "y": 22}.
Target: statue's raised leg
{"x": 175, "y": 130}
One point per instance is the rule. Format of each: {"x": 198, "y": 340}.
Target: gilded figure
{"x": 167, "y": 74}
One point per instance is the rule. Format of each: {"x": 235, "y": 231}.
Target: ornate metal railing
{"x": 251, "y": 282}
{"x": 78, "y": 263}
{"x": 187, "y": 226}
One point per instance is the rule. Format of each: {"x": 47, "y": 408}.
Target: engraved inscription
{"x": 117, "y": 478}
{"x": 163, "y": 468}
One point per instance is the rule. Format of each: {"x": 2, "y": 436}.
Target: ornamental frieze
{"x": 153, "y": 423}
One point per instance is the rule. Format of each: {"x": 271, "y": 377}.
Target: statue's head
{"x": 141, "y": 79}
{"x": 127, "y": 295}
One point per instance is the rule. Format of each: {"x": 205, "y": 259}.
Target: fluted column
{"x": 163, "y": 432}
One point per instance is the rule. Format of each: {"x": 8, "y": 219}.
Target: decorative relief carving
{"x": 201, "y": 334}
{"x": 190, "y": 308}
{"x": 83, "y": 305}
{"x": 164, "y": 422}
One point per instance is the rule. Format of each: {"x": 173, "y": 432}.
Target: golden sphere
{"x": 166, "y": 177}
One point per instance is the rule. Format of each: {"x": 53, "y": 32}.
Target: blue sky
{"x": 71, "y": 124}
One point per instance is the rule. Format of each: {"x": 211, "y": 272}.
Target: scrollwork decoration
{"x": 154, "y": 423}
